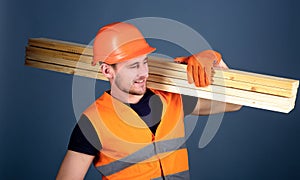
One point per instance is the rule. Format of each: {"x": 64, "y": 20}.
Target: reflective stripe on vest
{"x": 141, "y": 155}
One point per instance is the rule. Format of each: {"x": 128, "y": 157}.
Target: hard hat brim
{"x": 141, "y": 52}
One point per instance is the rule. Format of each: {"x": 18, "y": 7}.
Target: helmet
{"x": 118, "y": 42}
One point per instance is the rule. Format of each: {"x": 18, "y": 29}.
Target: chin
{"x": 141, "y": 91}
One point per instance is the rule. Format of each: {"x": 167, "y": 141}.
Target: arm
{"x": 206, "y": 107}
{"x": 74, "y": 166}
{"x": 83, "y": 147}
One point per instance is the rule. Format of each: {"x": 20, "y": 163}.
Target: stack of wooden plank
{"x": 233, "y": 86}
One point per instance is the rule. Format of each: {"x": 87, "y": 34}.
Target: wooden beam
{"x": 165, "y": 80}
{"x": 168, "y": 70}
{"x": 255, "y": 78}
{"x": 233, "y": 86}
{"x": 222, "y": 97}
{"x": 64, "y": 69}
{"x": 236, "y": 75}
{"x": 61, "y": 46}
{"x": 62, "y": 58}
{"x": 170, "y": 88}
{"x": 223, "y": 90}
{"x": 228, "y": 83}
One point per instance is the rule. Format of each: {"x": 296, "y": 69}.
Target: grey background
{"x": 36, "y": 112}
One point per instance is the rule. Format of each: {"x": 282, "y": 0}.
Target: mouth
{"x": 141, "y": 81}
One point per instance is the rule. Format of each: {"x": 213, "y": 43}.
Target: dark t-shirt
{"x": 85, "y": 140}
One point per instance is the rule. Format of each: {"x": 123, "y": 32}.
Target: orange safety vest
{"x": 130, "y": 150}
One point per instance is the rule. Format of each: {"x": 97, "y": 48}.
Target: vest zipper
{"x": 155, "y": 150}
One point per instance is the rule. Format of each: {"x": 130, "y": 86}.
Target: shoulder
{"x": 188, "y": 102}
{"x": 92, "y": 110}
{"x": 84, "y": 138}
{"x": 166, "y": 94}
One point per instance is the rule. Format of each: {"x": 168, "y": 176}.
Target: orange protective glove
{"x": 199, "y": 66}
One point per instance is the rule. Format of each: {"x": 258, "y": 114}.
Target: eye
{"x": 146, "y": 61}
{"x": 134, "y": 66}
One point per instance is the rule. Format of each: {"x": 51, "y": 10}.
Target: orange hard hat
{"x": 118, "y": 42}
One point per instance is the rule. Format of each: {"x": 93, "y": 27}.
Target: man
{"x": 132, "y": 132}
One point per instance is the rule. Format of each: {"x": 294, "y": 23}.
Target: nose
{"x": 143, "y": 70}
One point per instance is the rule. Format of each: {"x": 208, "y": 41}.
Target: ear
{"x": 107, "y": 70}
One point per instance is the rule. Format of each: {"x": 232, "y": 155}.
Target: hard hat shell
{"x": 118, "y": 42}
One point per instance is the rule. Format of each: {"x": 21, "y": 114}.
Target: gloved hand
{"x": 199, "y": 66}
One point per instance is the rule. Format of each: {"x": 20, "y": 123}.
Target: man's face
{"x": 130, "y": 76}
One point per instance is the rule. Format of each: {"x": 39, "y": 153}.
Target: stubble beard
{"x": 131, "y": 90}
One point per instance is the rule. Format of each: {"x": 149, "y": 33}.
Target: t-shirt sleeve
{"x": 189, "y": 104}
{"x": 84, "y": 138}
